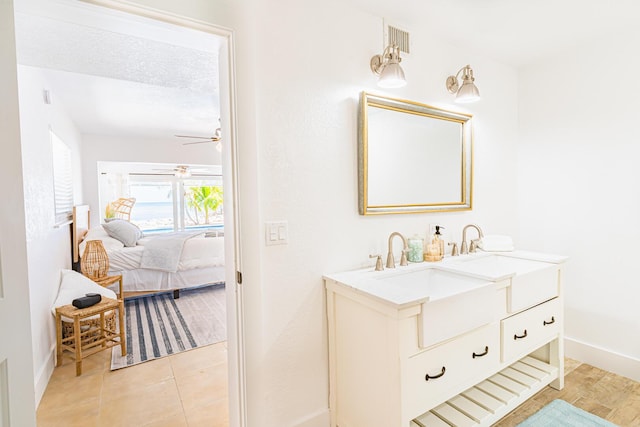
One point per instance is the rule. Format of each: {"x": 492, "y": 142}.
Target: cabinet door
{"x": 528, "y": 330}
{"x": 431, "y": 377}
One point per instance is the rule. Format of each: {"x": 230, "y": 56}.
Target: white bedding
{"x": 201, "y": 262}
{"x": 197, "y": 252}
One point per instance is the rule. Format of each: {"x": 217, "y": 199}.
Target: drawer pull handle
{"x": 428, "y": 377}
{"x": 486, "y": 351}
{"x": 545, "y": 323}
{"x": 517, "y": 337}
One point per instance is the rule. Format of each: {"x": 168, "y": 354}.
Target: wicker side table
{"x": 94, "y": 339}
{"x": 110, "y": 280}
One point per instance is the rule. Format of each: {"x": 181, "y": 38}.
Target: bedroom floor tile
{"x": 213, "y": 414}
{"x": 203, "y": 387}
{"x": 186, "y": 363}
{"x": 132, "y": 380}
{"x": 188, "y": 389}
{"x": 151, "y": 404}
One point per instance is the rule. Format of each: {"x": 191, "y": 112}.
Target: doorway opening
{"x": 128, "y": 85}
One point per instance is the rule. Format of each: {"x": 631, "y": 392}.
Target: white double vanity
{"x": 460, "y": 342}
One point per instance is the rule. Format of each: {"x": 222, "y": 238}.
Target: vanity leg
{"x": 556, "y": 358}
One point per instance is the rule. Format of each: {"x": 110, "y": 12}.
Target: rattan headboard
{"x": 79, "y": 228}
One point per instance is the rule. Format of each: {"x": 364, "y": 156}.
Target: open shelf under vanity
{"x": 493, "y": 398}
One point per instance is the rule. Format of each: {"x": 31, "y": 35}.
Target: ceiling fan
{"x": 182, "y": 171}
{"x": 217, "y": 137}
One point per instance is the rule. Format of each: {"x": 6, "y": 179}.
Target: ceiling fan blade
{"x": 192, "y": 136}
{"x": 196, "y": 142}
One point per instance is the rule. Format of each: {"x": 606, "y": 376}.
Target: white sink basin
{"x": 431, "y": 283}
{"x": 532, "y": 280}
{"x": 470, "y": 302}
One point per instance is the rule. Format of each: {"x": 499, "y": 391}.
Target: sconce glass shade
{"x": 387, "y": 66}
{"x": 468, "y": 91}
{"x": 94, "y": 262}
{"x": 392, "y": 76}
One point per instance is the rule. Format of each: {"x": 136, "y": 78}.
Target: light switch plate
{"x": 276, "y": 233}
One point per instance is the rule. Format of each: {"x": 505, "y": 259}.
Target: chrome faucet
{"x": 391, "y": 263}
{"x": 463, "y": 247}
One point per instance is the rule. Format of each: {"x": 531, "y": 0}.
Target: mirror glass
{"x": 412, "y": 157}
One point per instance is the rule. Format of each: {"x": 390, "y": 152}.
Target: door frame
{"x": 17, "y": 394}
{"x": 228, "y": 112}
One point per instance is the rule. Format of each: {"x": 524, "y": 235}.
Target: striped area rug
{"x": 158, "y": 325}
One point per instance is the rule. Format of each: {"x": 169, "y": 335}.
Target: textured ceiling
{"x": 112, "y": 80}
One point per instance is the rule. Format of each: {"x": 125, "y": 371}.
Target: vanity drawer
{"x": 526, "y": 331}
{"x": 466, "y": 359}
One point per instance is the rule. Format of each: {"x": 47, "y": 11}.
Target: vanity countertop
{"x": 424, "y": 282}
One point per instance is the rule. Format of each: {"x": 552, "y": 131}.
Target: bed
{"x": 161, "y": 262}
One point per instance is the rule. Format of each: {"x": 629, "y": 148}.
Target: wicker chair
{"x": 122, "y": 208}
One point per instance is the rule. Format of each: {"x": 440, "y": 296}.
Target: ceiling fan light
{"x": 182, "y": 172}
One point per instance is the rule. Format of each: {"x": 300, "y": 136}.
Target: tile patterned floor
{"x": 609, "y": 396}
{"x": 188, "y": 389}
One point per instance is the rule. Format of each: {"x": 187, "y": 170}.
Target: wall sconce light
{"x": 468, "y": 92}
{"x": 387, "y": 66}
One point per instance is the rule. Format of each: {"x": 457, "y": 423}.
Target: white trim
{"x": 235, "y": 314}
{"x": 319, "y": 418}
{"x": 44, "y": 374}
{"x": 602, "y": 358}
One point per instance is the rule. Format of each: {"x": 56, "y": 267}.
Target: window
{"x": 62, "y": 179}
{"x": 165, "y": 202}
{"x": 154, "y": 208}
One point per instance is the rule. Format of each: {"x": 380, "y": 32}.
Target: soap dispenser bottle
{"x": 435, "y": 249}
{"x": 440, "y": 240}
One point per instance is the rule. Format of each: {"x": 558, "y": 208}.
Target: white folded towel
{"x": 496, "y": 243}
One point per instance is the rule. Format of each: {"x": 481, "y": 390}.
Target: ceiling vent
{"x": 394, "y": 35}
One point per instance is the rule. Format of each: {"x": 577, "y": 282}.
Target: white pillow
{"x": 127, "y": 233}
{"x": 74, "y": 285}
{"x": 99, "y": 233}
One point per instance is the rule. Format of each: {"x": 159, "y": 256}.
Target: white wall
{"x": 578, "y": 177}
{"x": 48, "y": 247}
{"x": 97, "y": 148}
{"x": 307, "y": 133}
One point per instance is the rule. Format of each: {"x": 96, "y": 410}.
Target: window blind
{"x": 62, "y": 179}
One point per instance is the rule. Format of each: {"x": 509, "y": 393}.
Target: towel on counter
{"x": 496, "y": 243}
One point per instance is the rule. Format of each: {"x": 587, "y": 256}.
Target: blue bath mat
{"x": 561, "y": 414}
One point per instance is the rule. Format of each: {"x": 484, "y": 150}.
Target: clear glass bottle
{"x": 416, "y": 248}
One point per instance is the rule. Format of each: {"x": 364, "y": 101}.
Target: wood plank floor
{"x": 607, "y": 395}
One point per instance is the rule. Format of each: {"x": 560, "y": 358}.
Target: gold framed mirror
{"x": 413, "y": 157}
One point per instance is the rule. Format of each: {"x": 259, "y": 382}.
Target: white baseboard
{"x": 602, "y": 358}
{"x": 44, "y": 374}
{"x": 319, "y": 419}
